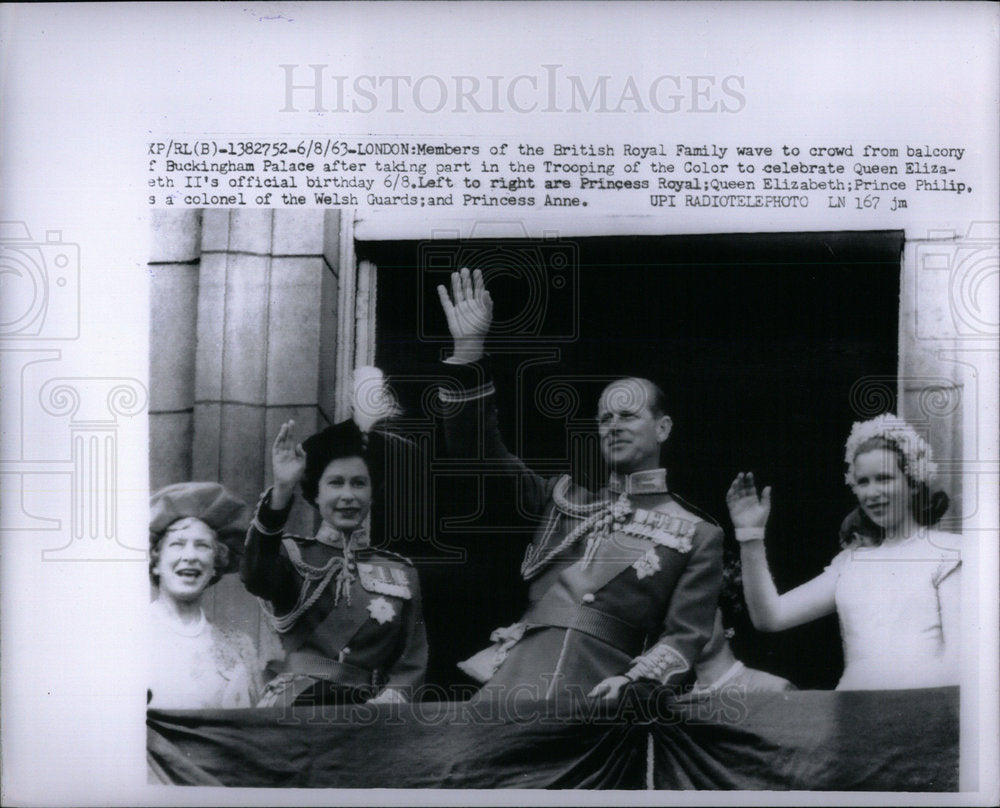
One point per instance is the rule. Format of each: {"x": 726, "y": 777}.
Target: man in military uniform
{"x": 623, "y": 581}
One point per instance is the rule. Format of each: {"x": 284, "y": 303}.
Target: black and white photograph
{"x": 529, "y": 438}
{"x": 412, "y": 403}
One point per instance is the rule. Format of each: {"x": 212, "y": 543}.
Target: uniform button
{"x": 588, "y": 598}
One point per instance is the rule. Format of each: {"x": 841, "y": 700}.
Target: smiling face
{"x": 630, "y": 427}
{"x": 344, "y": 493}
{"x": 883, "y": 492}
{"x": 186, "y": 560}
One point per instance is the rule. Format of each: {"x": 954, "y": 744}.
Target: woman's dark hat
{"x": 344, "y": 440}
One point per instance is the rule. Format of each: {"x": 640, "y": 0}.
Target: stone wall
{"x": 244, "y": 310}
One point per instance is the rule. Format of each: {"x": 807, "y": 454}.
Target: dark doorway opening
{"x": 758, "y": 341}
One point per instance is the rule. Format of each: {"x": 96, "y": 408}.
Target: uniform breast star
{"x": 381, "y": 610}
{"x": 647, "y": 565}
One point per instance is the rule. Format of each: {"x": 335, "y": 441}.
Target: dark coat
{"x": 642, "y": 605}
{"x": 372, "y": 638}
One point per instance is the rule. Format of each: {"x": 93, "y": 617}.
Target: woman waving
{"x": 895, "y": 584}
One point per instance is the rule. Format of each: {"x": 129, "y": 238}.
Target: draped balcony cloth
{"x": 903, "y": 740}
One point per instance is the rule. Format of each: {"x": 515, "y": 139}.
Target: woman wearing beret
{"x": 195, "y": 665}
{"x": 349, "y": 616}
{"x": 895, "y": 585}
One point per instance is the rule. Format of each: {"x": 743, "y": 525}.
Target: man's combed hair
{"x": 658, "y": 404}
{"x": 656, "y": 400}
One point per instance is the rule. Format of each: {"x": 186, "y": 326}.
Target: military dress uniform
{"x": 349, "y": 616}
{"x": 622, "y": 581}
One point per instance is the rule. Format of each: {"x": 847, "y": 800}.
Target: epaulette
{"x": 704, "y": 516}
{"x": 298, "y": 539}
{"x": 575, "y": 500}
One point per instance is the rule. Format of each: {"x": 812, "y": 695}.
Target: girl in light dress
{"x": 894, "y": 586}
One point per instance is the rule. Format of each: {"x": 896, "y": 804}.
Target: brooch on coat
{"x": 381, "y": 610}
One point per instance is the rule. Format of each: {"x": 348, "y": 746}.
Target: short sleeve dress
{"x": 889, "y": 604}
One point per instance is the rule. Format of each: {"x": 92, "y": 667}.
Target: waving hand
{"x": 469, "y": 311}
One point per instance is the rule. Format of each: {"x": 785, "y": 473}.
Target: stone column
{"x": 948, "y": 332}
{"x": 174, "y": 264}
{"x": 266, "y": 311}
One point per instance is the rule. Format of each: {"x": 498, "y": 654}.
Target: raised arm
{"x": 469, "y": 312}
{"x": 470, "y": 423}
{"x": 263, "y": 570}
{"x": 770, "y": 611}
{"x": 288, "y": 464}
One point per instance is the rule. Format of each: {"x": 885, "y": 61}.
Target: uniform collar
{"x": 332, "y": 537}
{"x": 650, "y": 481}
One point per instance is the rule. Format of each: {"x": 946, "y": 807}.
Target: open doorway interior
{"x": 761, "y": 342}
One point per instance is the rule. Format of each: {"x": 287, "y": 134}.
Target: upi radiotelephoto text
{"x": 603, "y": 177}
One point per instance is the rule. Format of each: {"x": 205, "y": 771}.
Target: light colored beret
{"x": 225, "y": 513}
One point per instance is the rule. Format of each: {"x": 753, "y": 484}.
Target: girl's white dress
{"x": 889, "y": 601}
